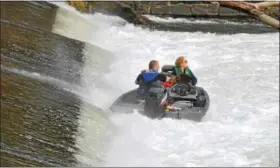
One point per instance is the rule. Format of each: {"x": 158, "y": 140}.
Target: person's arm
{"x": 194, "y": 79}
{"x": 162, "y": 77}
{"x": 173, "y": 71}
{"x": 139, "y": 77}
{"x": 137, "y": 81}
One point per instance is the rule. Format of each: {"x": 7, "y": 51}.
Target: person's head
{"x": 154, "y": 65}
{"x": 181, "y": 62}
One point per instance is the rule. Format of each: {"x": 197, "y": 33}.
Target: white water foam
{"x": 240, "y": 73}
{"x": 75, "y": 89}
{"x": 191, "y": 20}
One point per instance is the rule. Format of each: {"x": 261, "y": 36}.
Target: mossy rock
{"x": 273, "y": 12}
{"x": 81, "y": 6}
{"x": 103, "y": 4}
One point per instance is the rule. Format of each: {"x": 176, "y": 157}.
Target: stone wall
{"x": 133, "y": 11}
{"x": 172, "y": 8}
{"x": 189, "y": 9}
{"x": 193, "y": 9}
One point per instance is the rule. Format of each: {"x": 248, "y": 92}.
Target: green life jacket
{"x": 178, "y": 71}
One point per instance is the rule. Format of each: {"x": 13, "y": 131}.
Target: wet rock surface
{"x": 205, "y": 9}
{"x": 38, "y": 116}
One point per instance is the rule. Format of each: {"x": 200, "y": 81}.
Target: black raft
{"x": 182, "y": 101}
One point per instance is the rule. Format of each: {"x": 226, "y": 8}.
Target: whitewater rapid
{"x": 240, "y": 73}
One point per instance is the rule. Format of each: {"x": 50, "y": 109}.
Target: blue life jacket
{"x": 149, "y": 76}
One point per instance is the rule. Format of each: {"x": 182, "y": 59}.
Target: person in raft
{"x": 181, "y": 67}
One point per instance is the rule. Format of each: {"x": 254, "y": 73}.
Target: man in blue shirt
{"x": 151, "y": 75}
{"x": 148, "y": 78}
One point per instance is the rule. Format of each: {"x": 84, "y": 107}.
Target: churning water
{"x": 240, "y": 72}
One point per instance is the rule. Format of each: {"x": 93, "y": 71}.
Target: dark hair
{"x": 152, "y": 64}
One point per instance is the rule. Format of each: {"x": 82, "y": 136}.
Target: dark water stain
{"x": 38, "y": 119}
{"x": 38, "y": 123}
{"x": 42, "y": 52}
{"x": 32, "y": 14}
{"x": 40, "y": 116}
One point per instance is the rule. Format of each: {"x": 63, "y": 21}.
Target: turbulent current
{"x": 239, "y": 71}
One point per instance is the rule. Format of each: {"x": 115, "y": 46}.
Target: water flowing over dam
{"x": 61, "y": 70}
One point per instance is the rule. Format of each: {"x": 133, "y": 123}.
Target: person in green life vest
{"x": 181, "y": 67}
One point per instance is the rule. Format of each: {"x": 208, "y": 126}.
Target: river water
{"x": 58, "y": 78}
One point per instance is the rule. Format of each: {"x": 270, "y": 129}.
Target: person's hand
{"x": 167, "y": 78}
